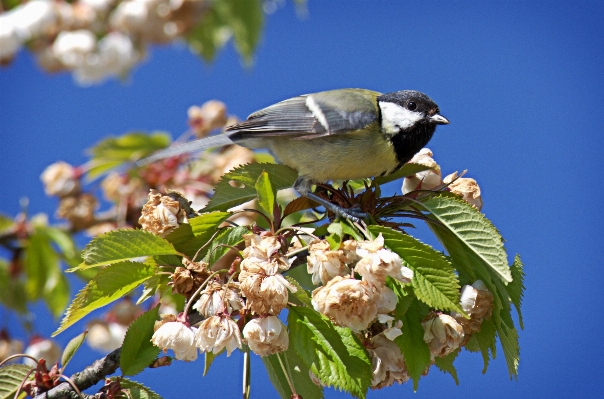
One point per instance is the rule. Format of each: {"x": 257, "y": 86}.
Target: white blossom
{"x": 266, "y": 335}
{"x": 427, "y": 179}
{"x": 46, "y": 349}
{"x": 216, "y": 333}
{"x": 377, "y": 262}
{"x": 177, "y": 336}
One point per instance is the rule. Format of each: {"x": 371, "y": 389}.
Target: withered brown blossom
{"x": 347, "y": 302}
{"x": 442, "y": 333}
{"x": 161, "y": 214}
{"x": 263, "y": 285}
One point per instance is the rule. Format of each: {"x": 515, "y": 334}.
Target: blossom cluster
{"x": 96, "y": 39}
{"x": 261, "y": 292}
{"x": 359, "y": 303}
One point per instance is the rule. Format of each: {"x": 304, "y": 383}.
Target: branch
{"x": 85, "y": 378}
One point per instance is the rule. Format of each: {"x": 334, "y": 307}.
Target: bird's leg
{"x": 303, "y": 186}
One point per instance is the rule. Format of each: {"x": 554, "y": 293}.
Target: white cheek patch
{"x": 396, "y": 117}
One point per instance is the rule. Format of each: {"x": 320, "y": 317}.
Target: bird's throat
{"x": 407, "y": 143}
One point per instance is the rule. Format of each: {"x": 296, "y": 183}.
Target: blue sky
{"x": 521, "y": 83}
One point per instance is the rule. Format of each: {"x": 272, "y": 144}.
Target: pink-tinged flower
{"x": 177, "y": 336}
{"x": 214, "y": 300}
{"x": 378, "y": 262}
{"x": 442, "y": 333}
{"x": 261, "y": 281}
{"x": 216, "y": 333}
{"x": 211, "y": 115}
{"x": 388, "y": 363}
{"x": 347, "y": 302}
{"x": 324, "y": 264}
{"x": 426, "y": 180}
{"x": 466, "y": 188}
{"x": 161, "y": 214}
{"x": 60, "y": 179}
{"x": 266, "y": 336}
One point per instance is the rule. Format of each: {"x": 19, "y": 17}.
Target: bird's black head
{"x": 409, "y": 119}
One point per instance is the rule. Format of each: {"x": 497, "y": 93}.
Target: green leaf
{"x": 267, "y": 195}
{"x": 115, "y": 151}
{"x": 231, "y": 236}
{"x": 515, "y": 289}
{"x": 334, "y": 354}
{"x": 301, "y": 276}
{"x": 110, "y": 284}
{"x": 411, "y": 343}
{"x": 64, "y": 241}
{"x": 297, "y": 205}
{"x": 124, "y": 244}
{"x": 485, "y": 340}
{"x": 56, "y": 292}
{"x": 298, "y": 371}
{"x": 408, "y": 169}
{"x": 404, "y": 296}
{"x": 137, "y": 350}
{"x": 12, "y": 290}
{"x": 72, "y": 347}
{"x": 472, "y": 230}
{"x": 226, "y": 196}
{"x": 10, "y": 379}
{"x": 5, "y": 222}
{"x": 245, "y": 18}
{"x": 136, "y": 390}
{"x": 41, "y": 262}
{"x": 300, "y": 293}
{"x": 188, "y": 238}
{"x": 445, "y": 364}
{"x": 434, "y": 280}
{"x": 209, "y": 359}
{"x": 209, "y": 35}
{"x": 508, "y": 336}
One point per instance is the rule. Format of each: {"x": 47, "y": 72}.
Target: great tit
{"x": 333, "y": 135}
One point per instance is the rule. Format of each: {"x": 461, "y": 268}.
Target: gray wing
{"x": 310, "y": 116}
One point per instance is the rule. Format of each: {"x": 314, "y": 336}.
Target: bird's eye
{"x": 411, "y": 106}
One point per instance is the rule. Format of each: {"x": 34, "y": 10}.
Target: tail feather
{"x": 217, "y": 140}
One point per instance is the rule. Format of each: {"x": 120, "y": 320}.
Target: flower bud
{"x": 266, "y": 336}
{"x": 177, "y": 336}
{"x": 442, "y": 333}
{"x": 347, "y": 302}
{"x": 325, "y": 264}
{"x": 466, "y": 188}
{"x": 216, "y": 333}
{"x": 60, "y": 179}
{"x": 426, "y": 180}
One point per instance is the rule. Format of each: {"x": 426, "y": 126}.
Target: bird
{"x": 341, "y": 134}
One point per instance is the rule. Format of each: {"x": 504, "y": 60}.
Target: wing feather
{"x": 310, "y": 116}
